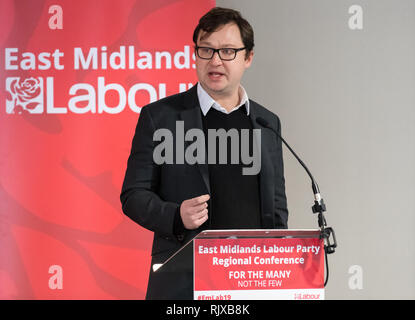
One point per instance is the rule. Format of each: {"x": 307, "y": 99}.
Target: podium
{"x": 273, "y": 264}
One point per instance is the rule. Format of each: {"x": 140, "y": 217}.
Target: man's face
{"x": 222, "y": 78}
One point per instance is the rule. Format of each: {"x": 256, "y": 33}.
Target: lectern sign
{"x": 267, "y": 268}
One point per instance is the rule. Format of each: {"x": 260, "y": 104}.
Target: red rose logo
{"x": 24, "y": 95}
{"x": 27, "y": 89}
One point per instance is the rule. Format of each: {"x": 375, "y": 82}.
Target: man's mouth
{"x": 215, "y": 75}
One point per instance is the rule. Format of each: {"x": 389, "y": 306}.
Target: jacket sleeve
{"x": 139, "y": 198}
{"x": 280, "y": 199}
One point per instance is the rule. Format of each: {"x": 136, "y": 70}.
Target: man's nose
{"x": 216, "y": 60}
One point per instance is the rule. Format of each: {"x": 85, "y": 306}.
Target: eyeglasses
{"x": 226, "y": 54}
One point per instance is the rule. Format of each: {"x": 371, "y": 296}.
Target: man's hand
{"x": 194, "y": 212}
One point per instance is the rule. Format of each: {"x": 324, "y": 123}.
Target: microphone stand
{"x": 319, "y": 206}
{"x": 325, "y": 232}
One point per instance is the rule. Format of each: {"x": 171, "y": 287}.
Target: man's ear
{"x": 249, "y": 58}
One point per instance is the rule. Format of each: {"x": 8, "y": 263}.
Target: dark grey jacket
{"x": 152, "y": 194}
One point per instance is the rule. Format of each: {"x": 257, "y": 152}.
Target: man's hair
{"x": 218, "y": 17}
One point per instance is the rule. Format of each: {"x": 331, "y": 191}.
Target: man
{"x": 178, "y": 200}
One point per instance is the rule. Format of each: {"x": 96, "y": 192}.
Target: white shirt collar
{"x": 206, "y": 101}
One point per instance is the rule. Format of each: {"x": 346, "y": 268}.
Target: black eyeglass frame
{"x": 236, "y": 50}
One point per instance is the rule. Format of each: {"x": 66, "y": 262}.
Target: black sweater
{"x": 235, "y": 200}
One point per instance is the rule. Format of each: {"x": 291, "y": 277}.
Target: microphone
{"x": 319, "y": 205}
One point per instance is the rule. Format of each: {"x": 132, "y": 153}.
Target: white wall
{"x": 346, "y": 99}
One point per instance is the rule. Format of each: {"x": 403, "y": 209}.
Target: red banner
{"x": 259, "y": 268}
{"x": 73, "y": 78}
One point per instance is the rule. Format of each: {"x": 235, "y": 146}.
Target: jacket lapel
{"x": 192, "y": 118}
{"x": 266, "y": 174}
